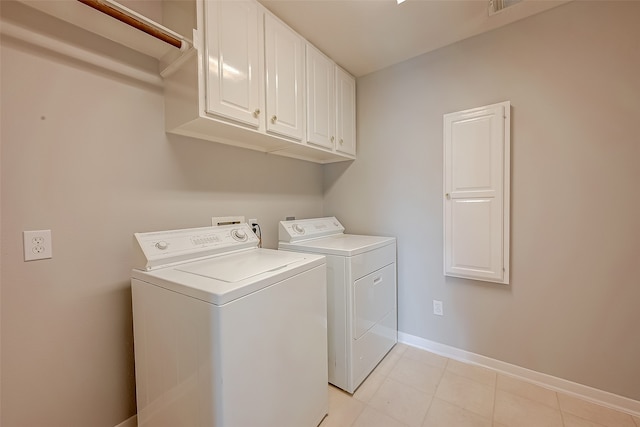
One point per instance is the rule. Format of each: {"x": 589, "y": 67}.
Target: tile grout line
{"x": 388, "y": 377}
{"x": 495, "y": 399}
{"x": 433, "y": 397}
{"x": 384, "y": 377}
{"x": 560, "y": 408}
{"x": 455, "y": 374}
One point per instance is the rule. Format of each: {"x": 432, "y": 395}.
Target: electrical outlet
{"x": 37, "y": 245}
{"x": 437, "y": 308}
{"x": 253, "y": 223}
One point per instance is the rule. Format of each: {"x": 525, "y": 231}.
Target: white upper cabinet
{"x": 232, "y": 60}
{"x": 345, "y": 112}
{"x": 321, "y": 104}
{"x": 476, "y": 187}
{"x": 284, "y": 58}
{"x": 244, "y": 84}
{"x": 331, "y": 104}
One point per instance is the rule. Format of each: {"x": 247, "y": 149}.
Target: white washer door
{"x": 374, "y": 298}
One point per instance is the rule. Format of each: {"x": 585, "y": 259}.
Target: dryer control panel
{"x": 164, "y": 248}
{"x": 303, "y": 229}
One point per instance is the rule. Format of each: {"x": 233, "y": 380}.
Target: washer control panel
{"x": 296, "y": 230}
{"x": 163, "y": 248}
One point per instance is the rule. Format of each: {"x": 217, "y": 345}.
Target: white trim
{"x": 600, "y": 397}
{"x": 131, "y": 422}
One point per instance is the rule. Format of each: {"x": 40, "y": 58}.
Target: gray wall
{"x": 572, "y": 76}
{"x": 84, "y": 153}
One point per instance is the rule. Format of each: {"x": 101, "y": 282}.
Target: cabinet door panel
{"x": 476, "y": 184}
{"x": 232, "y": 60}
{"x": 476, "y": 237}
{"x": 321, "y": 115}
{"x": 345, "y": 112}
{"x": 284, "y": 57}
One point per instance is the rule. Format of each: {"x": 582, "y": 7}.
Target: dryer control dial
{"x": 239, "y": 235}
{"x": 298, "y": 228}
{"x": 162, "y": 245}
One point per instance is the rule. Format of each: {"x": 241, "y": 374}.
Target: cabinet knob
{"x": 341, "y": 141}
{"x": 447, "y": 195}
{"x": 256, "y": 113}
{"x": 333, "y": 138}
{"x": 274, "y": 119}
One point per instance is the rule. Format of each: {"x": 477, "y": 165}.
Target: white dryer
{"x": 227, "y": 334}
{"x": 361, "y": 290}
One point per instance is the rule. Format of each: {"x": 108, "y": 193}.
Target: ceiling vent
{"x": 496, "y": 6}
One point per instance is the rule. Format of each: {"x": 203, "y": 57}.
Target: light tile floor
{"x": 415, "y": 388}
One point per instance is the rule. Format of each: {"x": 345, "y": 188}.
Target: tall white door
{"x": 476, "y": 187}
{"x": 232, "y": 61}
{"x": 284, "y": 58}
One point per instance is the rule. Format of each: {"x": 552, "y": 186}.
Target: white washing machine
{"x": 361, "y": 290}
{"x": 227, "y": 334}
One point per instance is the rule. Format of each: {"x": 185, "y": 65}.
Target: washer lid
{"x": 225, "y": 278}
{"x": 232, "y": 269}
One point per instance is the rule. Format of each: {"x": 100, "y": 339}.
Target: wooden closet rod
{"x": 129, "y": 20}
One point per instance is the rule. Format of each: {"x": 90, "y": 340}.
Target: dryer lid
{"x": 341, "y": 244}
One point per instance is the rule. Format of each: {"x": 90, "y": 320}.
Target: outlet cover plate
{"x": 437, "y": 308}
{"x": 37, "y": 245}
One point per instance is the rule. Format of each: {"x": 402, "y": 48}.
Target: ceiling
{"x": 364, "y": 36}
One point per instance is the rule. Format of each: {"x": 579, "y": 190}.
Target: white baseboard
{"x": 590, "y": 394}
{"x": 130, "y": 422}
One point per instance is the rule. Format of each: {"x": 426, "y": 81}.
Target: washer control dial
{"x": 298, "y": 228}
{"x": 162, "y": 245}
{"x": 239, "y": 235}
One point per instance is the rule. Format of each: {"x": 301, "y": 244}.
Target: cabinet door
{"x": 476, "y": 185}
{"x": 321, "y": 104}
{"x": 345, "y": 112}
{"x": 232, "y": 64}
{"x": 284, "y": 58}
